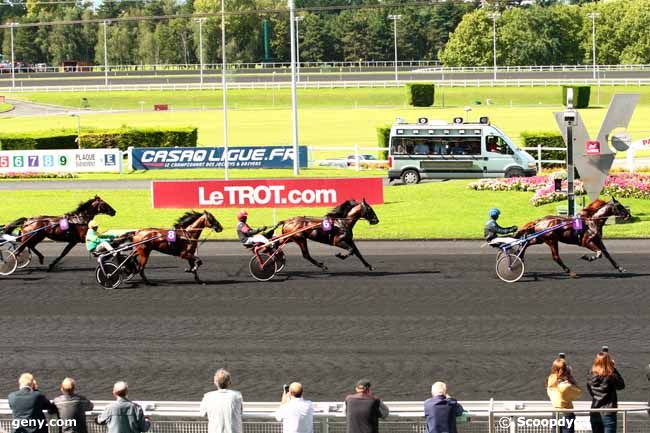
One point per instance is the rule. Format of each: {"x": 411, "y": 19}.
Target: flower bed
{"x": 623, "y": 185}
{"x": 33, "y": 175}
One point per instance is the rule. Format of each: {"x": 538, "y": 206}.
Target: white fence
{"x": 355, "y": 157}
{"x": 537, "y": 154}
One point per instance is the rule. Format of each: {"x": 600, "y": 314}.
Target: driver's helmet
{"x": 242, "y": 215}
{"x": 93, "y": 225}
{"x": 494, "y": 213}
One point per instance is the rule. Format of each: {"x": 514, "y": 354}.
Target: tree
{"x": 471, "y": 43}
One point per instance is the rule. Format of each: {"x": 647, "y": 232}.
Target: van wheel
{"x": 515, "y": 172}
{"x": 410, "y": 177}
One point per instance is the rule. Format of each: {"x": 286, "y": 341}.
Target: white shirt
{"x": 224, "y": 410}
{"x": 297, "y": 416}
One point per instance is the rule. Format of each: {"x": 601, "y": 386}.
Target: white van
{"x": 433, "y": 149}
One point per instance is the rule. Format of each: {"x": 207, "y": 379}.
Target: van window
{"x": 496, "y": 144}
{"x": 436, "y": 145}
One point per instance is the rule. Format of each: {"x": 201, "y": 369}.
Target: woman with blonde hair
{"x": 603, "y": 382}
{"x": 563, "y": 389}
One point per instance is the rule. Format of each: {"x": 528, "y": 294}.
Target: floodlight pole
{"x": 224, "y": 87}
{"x": 105, "y": 53}
{"x": 294, "y": 96}
{"x": 570, "y": 118}
{"x": 201, "y": 21}
{"x": 593, "y": 17}
{"x": 395, "y": 18}
{"x": 13, "y": 61}
{"x": 493, "y": 16}
{"x": 298, "y": 19}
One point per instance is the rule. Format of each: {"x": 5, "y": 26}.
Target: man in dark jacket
{"x": 72, "y": 407}
{"x": 363, "y": 410}
{"x": 27, "y": 406}
{"x": 441, "y": 411}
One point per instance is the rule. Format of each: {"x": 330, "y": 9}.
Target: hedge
{"x": 383, "y": 138}
{"x": 544, "y": 139}
{"x": 420, "y": 94}
{"x": 580, "y": 95}
{"x": 117, "y": 138}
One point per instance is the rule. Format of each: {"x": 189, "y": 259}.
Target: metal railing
{"x": 406, "y": 417}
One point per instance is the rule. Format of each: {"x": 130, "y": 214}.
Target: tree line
{"x": 353, "y": 34}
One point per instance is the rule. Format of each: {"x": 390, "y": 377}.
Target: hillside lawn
{"x": 4, "y": 107}
{"x": 430, "y": 210}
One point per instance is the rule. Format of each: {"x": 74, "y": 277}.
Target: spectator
{"x": 223, "y": 407}
{"x": 296, "y": 413}
{"x": 603, "y": 382}
{"x": 27, "y": 406}
{"x": 123, "y": 416}
{"x": 421, "y": 149}
{"x": 363, "y": 410}
{"x": 441, "y": 410}
{"x": 72, "y": 406}
{"x": 563, "y": 389}
{"x": 647, "y": 375}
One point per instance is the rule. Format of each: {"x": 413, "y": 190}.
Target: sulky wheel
{"x": 110, "y": 277}
{"x": 8, "y": 262}
{"x": 131, "y": 268}
{"x": 510, "y": 268}
{"x": 24, "y": 258}
{"x": 280, "y": 261}
{"x": 262, "y": 271}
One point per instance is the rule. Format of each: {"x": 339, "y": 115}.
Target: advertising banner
{"x": 60, "y": 161}
{"x": 271, "y": 193}
{"x": 153, "y": 158}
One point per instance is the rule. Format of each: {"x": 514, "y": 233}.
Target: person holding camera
{"x": 363, "y": 410}
{"x": 441, "y": 410}
{"x": 603, "y": 382}
{"x": 563, "y": 390}
{"x": 27, "y": 405}
{"x": 296, "y": 413}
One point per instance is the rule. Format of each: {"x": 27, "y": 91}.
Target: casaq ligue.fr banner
{"x": 157, "y": 158}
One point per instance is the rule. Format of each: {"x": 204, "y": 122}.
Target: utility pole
{"x": 593, "y": 17}
{"x": 13, "y": 60}
{"x": 224, "y": 86}
{"x": 298, "y": 19}
{"x": 201, "y": 21}
{"x": 106, "y": 53}
{"x": 493, "y": 16}
{"x": 570, "y": 119}
{"x": 395, "y": 18}
{"x": 294, "y": 95}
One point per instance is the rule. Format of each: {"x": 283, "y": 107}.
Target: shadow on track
{"x": 535, "y": 277}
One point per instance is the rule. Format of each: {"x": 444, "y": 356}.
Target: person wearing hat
{"x": 96, "y": 243}
{"x": 246, "y": 234}
{"x": 363, "y": 410}
{"x": 493, "y": 229}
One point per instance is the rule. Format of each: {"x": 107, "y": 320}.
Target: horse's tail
{"x": 123, "y": 238}
{"x": 9, "y": 228}
{"x": 526, "y": 229}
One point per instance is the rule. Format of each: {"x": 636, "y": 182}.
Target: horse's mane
{"x": 187, "y": 218}
{"x": 83, "y": 207}
{"x": 592, "y": 207}
{"x": 342, "y": 210}
{"x": 526, "y": 229}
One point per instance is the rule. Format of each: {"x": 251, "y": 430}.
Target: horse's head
{"x": 102, "y": 207}
{"x": 618, "y": 210}
{"x": 212, "y": 222}
{"x": 368, "y": 213}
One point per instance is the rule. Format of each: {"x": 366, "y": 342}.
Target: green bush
{"x": 544, "y": 139}
{"x": 118, "y": 138}
{"x": 580, "y": 96}
{"x": 421, "y": 94}
{"x": 383, "y": 138}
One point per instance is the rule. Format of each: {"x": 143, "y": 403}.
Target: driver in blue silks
{"x": 493, "y": 229}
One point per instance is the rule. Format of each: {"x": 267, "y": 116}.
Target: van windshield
{"x": 436, "y": 146}
{"x": 496, "y": 144}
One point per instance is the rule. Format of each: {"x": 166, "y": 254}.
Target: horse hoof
{"x": 50, "y": 268}
{"x": 340, "y": 256}
{"x": 370, "y": 268}
{"x": 573, "y": 274}
{"x": 621, "y": 270}
{"x": 41, "y": 261}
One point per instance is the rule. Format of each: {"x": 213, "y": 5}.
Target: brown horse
{"x": 593, "y": 218}
{"x": 71, "y": 227}
{"x": 182, "y": 241}
{"x": 342, "y": 218}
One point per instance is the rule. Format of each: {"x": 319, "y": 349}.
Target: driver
{"x": 493, "y": 229}
{"x": 248, "y": 235}
{"x": 96, "y": 243}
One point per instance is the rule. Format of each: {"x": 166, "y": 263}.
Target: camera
{"x": 561, "y": 355}
{"x": 605, "y": 349}
{"x": 285, "y": 388}
{"x": 570, "y": 117}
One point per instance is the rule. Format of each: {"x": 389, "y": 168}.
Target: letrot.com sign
{"x": 213, "y": 157}
{"x": 264, "y": 193}
{"x": 60, "y": 161}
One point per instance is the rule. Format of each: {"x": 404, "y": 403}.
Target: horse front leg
{"x": 302, "y": 244}
{"x": 194, "y": 262}
{"x": 38, "y": 254}
{"x": 598, "y": 246}
{"x": 349, "y": 245}
{"x": 555, "y": 252}
{"x": 65, "y": 251}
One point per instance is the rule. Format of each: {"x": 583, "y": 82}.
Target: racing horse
{"x": 181, "y": 242}
{"x": 592, "y": 218}
{"x": 71, "y": 228}
{"x": 342, "y": 220}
